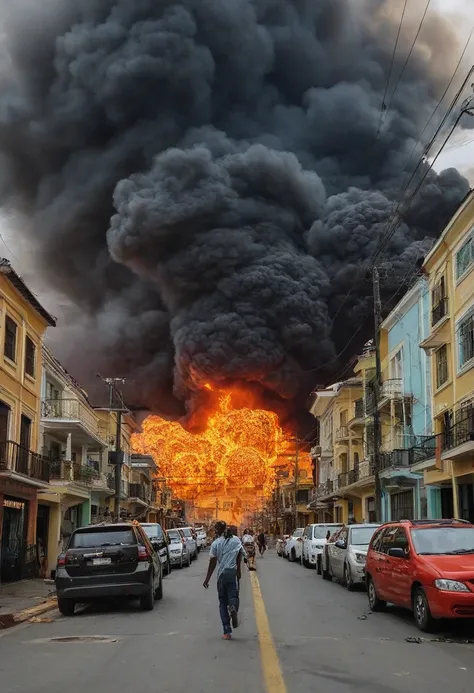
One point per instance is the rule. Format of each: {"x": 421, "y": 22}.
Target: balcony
{"x": 358, "y": 418}
{"x": 15, "y": 459}
{"x": 342, "y": 433}
{"x": 348, "y": 478}
{"x": 73, "y": 472}
{"x": 439, "y": 311}
{"x": 325, "y": 489}
{"x": 69, "y": 415}
{"x": 139, "y": 493}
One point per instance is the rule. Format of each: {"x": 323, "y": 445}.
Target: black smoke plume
{"x": 207, "y": 179}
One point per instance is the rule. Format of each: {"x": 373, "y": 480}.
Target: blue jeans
{"x": 228, "y": 591}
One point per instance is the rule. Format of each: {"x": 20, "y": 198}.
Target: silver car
{"x": 344, "y": 558}
{"x": 178, "y": 549}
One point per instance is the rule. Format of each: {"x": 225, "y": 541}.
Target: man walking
{"x": 226, "y": 553}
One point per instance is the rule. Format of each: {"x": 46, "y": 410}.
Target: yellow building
{"x": 346, "y": 486}
{"x": 23, "y": 471}
{"x": 450, "y": 343}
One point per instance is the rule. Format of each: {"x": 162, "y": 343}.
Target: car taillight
{"x": 143, "y": 554}
{"x": 299, "y": 539}
{"x": 61, "y": 561}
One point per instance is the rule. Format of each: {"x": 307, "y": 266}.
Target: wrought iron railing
{"x": 138, "y": 491}
{"x": 348, "y": 478}
{"x": 16, "y": 458}
{"x": 72, "y": 410}
{"x": 342, "y": 433}
{"x": 63, "y": 470}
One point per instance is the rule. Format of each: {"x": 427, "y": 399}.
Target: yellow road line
{"x": 272, "y": 674}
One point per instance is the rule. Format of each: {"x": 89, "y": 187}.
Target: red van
{"x": 424, "y": 565}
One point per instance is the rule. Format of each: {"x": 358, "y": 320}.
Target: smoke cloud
{"x": 205, "y": 181}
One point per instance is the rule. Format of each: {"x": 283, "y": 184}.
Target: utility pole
{"x": 378, "y": 383}
{"x": 116, "y": 458}
{"x": 296, "y": 480}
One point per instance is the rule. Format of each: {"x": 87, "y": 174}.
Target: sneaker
{"x": 227, "y": 636}
{"x": 234, "y": 618}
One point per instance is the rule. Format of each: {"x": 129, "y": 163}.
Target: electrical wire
{"x": 382, "y": 106}
{"x": 402, "y": 72}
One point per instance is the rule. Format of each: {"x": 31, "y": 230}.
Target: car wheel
{"x": 348, "y": 581}
{"x": 318, "y": 565}
{"x": 421, "y": 610}
{"x": 66, "y": 606}
{"x": 181, "y": 562}
{"x": 293, "y": 556}
{"x": 167, "y": 568}
{"x": 147, "y": 600}
{"x": 375, "y": 603}
{"x": 159, "y": 591}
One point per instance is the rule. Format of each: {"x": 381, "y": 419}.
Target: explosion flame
{"x": 232, "y": 460}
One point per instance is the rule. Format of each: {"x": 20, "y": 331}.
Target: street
{"x": 322, "y": 636}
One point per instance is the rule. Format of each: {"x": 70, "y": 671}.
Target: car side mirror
{"x": 340, "y": 544}
{"x": 397, "y": 553}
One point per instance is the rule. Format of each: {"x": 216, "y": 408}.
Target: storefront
{"x": 14, "y": 538}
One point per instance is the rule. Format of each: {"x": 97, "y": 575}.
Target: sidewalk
{"x": 22, "y": 600}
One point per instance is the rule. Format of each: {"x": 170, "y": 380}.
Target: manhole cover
{"x": 77, "y": 639}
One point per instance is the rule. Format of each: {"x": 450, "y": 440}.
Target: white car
{"x": 314, "y": 539}
{"x": 201, "y": 537}
{"x": 294, "y": 545}
{"x": 178, "y": 549}
{"x": 191, "y": 542}
{"x": 345, "y": 557}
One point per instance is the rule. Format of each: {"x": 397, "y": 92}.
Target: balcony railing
{"x": 62, "y": 470}
{"x": 139, "y": 491}
{"x": 348, "y": 478}
{"x": 342, "y": 433}
{"x": 366, "y": 469}
{"x": 16, "y": 458}
{"x": 325, "y": 489}
{"x": 72, "y": 410}
{"x": 439, "y": 311}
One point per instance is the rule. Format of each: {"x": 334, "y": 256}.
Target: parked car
{"x": 345, "y": 557}
{"x": 201, "y": 537}
{"x": 314, "y": 539}
{"x": 280, "y": 544}
{"x": 109, "y": 560}
{"x": 424, "y": 565}
{"x": 178, "y": 549}
{"x": 188, "y": 534}
{"x": 159, "y": 541}
{"x": 294, "y": 545}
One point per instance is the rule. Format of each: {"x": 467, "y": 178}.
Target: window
{"x": 466, "y": 339}
{"x": 377, "y": 540}
{"x": 439, "y": 302}
{"x": 396, "y": 366}
{"x": 10, "y": 339}
{"x": 441, "y": 357}
{"x": 30, "y": 357}
{"x": 401, "y": 540}
{"x": 465, "y": 257}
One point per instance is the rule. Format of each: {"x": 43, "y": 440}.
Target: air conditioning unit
{"x": 316, "y": 451}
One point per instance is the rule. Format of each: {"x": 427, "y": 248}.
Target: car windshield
{"x": 152, "y": 531}
{"x": 322, "y": 532}
{"x": 361, "y": 536}
{"x": 298, "y": 532}
{"x": 174, "y": 537}
{"x": 187, "y": 532}
{"x": 110, "y": 537}
{"x": 437, "y": 541}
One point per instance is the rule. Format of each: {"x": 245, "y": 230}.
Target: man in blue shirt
{"x": 226, "y": 553}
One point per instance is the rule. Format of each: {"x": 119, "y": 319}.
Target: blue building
{"x": 405, "y": 408}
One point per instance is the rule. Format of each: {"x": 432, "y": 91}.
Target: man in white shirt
{"x": 226, "y": 553}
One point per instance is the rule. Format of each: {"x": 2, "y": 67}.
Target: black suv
{"x": 109, "y": 560}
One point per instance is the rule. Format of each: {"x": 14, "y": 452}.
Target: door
{"x": 42, "y": 528}
{"x": 338, "y": 553}
{"x": 25, "y": 438}
{"x": 402, "y": 506}
{"x": 14, "y": 525}
{"x": 4, "y": 428}
{"x": 399, "y": 571}
{"x": 378, "y": 561}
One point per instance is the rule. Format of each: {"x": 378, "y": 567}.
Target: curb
{"x": 14, "y": 619}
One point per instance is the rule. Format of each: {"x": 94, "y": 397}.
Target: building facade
{"x": 450, "y": 346}
{"x": 24, "y": 472}
{"x": 404, "y": 404}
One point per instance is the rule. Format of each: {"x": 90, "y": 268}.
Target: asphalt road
{"x": 304, "y": 635}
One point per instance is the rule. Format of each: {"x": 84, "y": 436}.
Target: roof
{"x": 7, "y": 270}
